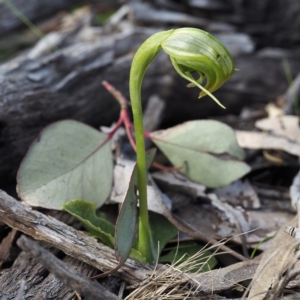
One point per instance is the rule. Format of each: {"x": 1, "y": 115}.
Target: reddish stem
{"x": 128, "y": 126}
{"x": 124, "y": 119}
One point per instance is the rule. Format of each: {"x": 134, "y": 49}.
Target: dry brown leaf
{"x": 227, "y": 278}
{"x": 177, "y": 182}
{"x": 262, "y": 140}
{"x": 274, "y": 262}
{"x": 285, "y": 126}
{"x": 274, "y": 111}
{"x": 283, "y": 133}
{"x": 122, "y": 175}
{"x": 239, "y": 193}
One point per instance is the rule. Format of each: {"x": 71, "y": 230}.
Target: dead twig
{"x": 69, "y": 277}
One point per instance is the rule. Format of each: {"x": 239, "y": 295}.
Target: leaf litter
{"x": 214, "y": 221}
{"x": 242, "y": 194}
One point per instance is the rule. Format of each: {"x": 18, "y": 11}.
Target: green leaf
{"x": 126, "y": 222}
{"x": 127, "y": 219}
{"x": 162, "y": 231}
{"x": 186, "y": 251}
{"x": 137, "y": 255}
{"x": 97, "y": 225}
{"x": 67, "y": 161}
{"x": 206, "y": 151}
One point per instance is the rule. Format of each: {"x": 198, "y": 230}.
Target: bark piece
{"x": 281, "y": 133}
{"x": 6, "y": 246}
{"x": 227, "y": 278}
{"x": 69, "y": 277}
{"x": 153, "y": 113}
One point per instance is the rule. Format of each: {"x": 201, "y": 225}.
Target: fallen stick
{"x": 74, "y": 243}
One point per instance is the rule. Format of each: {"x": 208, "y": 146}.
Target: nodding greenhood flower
{"x": 192, "y": 52}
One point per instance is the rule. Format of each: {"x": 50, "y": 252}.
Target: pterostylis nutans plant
{"x": 77, "y": 157}
{"x": 192, "y": 52}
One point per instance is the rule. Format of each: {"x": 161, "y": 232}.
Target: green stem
{"x": 144, "y": 244}
{"x": 143, "y": 58}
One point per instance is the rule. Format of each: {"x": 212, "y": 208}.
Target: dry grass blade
{"x": 176, "y": 281}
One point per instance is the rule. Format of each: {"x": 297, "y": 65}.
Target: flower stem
{"x": 144, "y": 243}
{"x": 141, "y": 61}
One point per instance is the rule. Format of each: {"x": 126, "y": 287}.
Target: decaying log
{"x": 145, "y": 14}
{"x": 273, "y": 23}
{"x": 81, "y": 284}
{"x": 39, "y": 283}
{"x": 35, "y": 10}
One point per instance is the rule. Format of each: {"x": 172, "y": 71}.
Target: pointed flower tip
{"x": 202, "y": 94}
